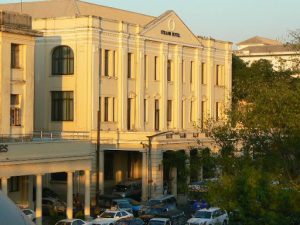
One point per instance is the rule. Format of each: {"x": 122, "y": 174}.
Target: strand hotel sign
{"x": 171, "y": 28}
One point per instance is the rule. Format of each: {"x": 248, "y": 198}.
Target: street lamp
{"x": 150, "y": 138}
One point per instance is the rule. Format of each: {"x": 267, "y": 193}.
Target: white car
{"x": 211, "y": 216}
{"x": 29, "y": 213}
{"x": 71, "y": 222}
{"x": 109, "y": 217}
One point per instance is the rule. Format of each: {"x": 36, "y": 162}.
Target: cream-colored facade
{"x": 147, "y": 74}
{"x": 26, "y": 157}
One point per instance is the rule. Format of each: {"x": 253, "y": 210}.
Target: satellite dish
{"x": 10, "y": 213}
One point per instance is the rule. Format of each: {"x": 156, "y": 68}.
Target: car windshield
{"x": 107, "y": 215}
{"x": 156, "y": 222}
{"x": 155, "y": 211}
{"x": 121, "y": 188}
{"x": 124, "y": 205}
{"x": 64, "y": 223}
{"x": 153, "y": 202}
{"x": 203, "y": 214}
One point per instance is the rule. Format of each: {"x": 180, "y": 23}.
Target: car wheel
{"x": 225, "y": 222}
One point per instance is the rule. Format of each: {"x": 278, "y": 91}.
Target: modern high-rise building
{"x": 147, "y": 83}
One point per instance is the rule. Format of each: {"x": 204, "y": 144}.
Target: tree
{"x": 260, "y": 146}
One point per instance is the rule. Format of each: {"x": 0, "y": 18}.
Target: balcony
{"x": 45, "y": 136}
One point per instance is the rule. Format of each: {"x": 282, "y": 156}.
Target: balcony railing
{"x": 44, "y": 136}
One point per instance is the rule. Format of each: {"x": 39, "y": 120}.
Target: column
{"x": 145, "y": 176}
{"x": 4, "y": 185}
{"x": 87, "y": 197}
{"x": 122, "y": 79}
{"x": 70, "y": 195}
{"x": 210, "y": 80}
{"x": 178, "y": 88}
{"x": 228, "y": 75}
{"x": 38, "y": 203}
{"x": 139, "y": 78}
{"x": 198, "y": 86}
{"x": 163, "y": 87}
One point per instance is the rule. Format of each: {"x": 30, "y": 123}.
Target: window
{"x": 203, "y": 110}
{"x": 169, "y": 111}
{"x": 106, "y": 63}
{"x": 62, "y": 61}
{"x": 15, "y": 110}
{"x": 192, "y": 72}
{"x": 130, "y": 59}
{"x": 15, "y": 56}
{"x": 156, "y": 116}
{"x": 62, "y": 106}
{"x": 14, "y": 184}
{"x": 219, "y": 75}
{"x": 203, "y": 73}
{"x": 129, "y": 107}
{"x": 155, "y": 68}
{"x": 106, "y": 109}
{"x": 169, "y": 70}
{"x": 113, "y": 109}
{"x": 192, "y": 109}
{"x": 218, "y": 110}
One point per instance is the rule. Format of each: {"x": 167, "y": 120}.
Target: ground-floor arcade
{"x": 22, "y": 175}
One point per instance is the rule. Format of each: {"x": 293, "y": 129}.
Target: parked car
{"x": 71, "y": 222}
{"x": 211, "y": 216}
{"x": 136, "y": 205}
{"x": 130, "y": 221}
{"x": 113, "y": 202}
{"x": 176, "y": 216}
{"x": 129, "y": 189}
{"x": 109, "y": 217}
{"x": 160, "y": 221}
{"x": 53, "y": 204}
{"x": 168, "y": 201}
{"x": 29, "y": 213}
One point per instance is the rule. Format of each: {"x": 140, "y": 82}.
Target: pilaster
{"x": 178, "y": 88}
{"x": 163, "y": 86}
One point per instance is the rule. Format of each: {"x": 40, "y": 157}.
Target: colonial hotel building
{"x": 148, "y": 75}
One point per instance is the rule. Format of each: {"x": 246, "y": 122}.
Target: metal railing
{"x": 45, "y": 136}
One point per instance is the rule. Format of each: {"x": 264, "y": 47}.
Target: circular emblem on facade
{"x": 171, "y": 25}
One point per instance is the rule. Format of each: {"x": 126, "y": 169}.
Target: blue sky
{"x": 230, "y": 20}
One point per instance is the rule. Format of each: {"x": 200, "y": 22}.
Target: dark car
{"x": 177, "y": 217}
{"x": 131, "y": 221}
{"x": 153, "y": 212}
{"x": 53, "y": 205}
{"x": 113, "y": 202}
{"x": 129, "y": 189}
{"x": 167, "y": 201}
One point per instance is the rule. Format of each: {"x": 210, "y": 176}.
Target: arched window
{"x": 62, "y": 61}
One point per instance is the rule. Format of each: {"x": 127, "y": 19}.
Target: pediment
{"x": 169, "y": 27}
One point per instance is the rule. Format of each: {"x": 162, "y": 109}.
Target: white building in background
{"x": 148, "y": 75}
{"x": 282, "y": 56}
